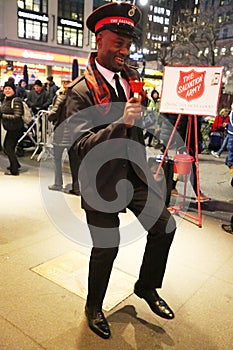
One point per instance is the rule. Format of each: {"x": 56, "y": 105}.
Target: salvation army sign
{"x": 191, "y": 90}
{"x": 191, "y": 85}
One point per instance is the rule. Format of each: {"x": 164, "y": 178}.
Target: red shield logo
{"x": 191, "y": 85}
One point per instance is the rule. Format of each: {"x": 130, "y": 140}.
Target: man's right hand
{"x": 133, "y": 109}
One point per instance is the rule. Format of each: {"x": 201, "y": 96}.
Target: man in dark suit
{"x": 108, "y": 141}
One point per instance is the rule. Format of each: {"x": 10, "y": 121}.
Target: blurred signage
{"x": 33, "y": 16}
{"x": 70, "y": 23}
{"x": 33, "y": 55}
{"x": 136, "y": 56}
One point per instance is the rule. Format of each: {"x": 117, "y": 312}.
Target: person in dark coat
{"x": 153, "y": 107}
{"x": 38, "y": 98}
{"x": 51, "y": 87}
{"x": 21, "y": 90}
{"x": 106, "y": 134}
{"x": 11, "y": 113}
{"x": 1, "y": 94}
{"x": 61, "y": 138}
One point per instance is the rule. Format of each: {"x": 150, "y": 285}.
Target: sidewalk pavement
{"x": 43, "y": 272}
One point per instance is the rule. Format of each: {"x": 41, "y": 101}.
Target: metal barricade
{"x": 43, "y": 131}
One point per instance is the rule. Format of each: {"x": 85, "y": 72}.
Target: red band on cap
{"x": 113, "y": 20}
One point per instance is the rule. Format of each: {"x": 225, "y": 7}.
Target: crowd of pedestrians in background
{"x": 12, "y": 97}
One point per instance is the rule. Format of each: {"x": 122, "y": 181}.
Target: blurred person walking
{"x": 61, "y": 137}
{"x": 11, "y": 113}
{"x": 153, "y": 107}
{"x": 229, "y": 158}
{"x": 220, "y": 126}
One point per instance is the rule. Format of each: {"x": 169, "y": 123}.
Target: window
{"x": 219, "y": 19}
{"x": 206, "y": 51}
{"x": 33, "y": 20}
{"x": 228, "y": 16}
{"x": 225, "y": 33}
{"x": 70, "y": 22}
{"x": 33, "y": 5}
{"x": 93, "y": 41}
{"x": 98, "y": 3}
{"x": 223, "y": 51}
{"x": 71, "y": 9}
{"x": 69, "y": 36}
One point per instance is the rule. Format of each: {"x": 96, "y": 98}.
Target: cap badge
{"x": 131, "y": 12}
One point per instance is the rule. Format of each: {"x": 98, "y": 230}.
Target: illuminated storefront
{"x": 39, "y": 63}
{"x": 46, "y": 36}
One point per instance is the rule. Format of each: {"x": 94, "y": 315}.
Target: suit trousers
{"x": 104, "y": 229}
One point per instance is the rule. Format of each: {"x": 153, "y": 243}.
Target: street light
{"x": 141, "y": 2}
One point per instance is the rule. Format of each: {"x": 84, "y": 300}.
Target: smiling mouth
{"x": 120, "y": 60}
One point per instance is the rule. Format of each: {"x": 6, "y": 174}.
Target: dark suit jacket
{"x": 107, "y": 149}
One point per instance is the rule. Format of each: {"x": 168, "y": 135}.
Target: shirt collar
{"x": 108, "y": 74}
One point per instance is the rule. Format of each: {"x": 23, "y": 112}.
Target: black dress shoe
{"x": 98, "y": 323}
{"x": 157, "y": 305}
{"x": 227, "y": 228}
{"x": 9, "y": 172}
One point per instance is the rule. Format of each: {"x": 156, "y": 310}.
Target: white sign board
{"x": 191, "y": 90}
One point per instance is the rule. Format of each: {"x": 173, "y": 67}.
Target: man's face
{"x": 37, "y": 88}
{"x": 113, "y": 50}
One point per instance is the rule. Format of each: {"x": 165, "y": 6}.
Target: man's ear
{"x": 99, "y": 39}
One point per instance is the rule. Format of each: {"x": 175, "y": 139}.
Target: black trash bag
{"x": 166, "y": 174}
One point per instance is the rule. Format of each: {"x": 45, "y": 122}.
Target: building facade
{"x": 45, "y": 35}
{"x": 154, "y": 29}
{"x": 207, "y": 30}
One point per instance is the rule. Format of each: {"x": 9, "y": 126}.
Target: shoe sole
{"x": 227, "y": 228}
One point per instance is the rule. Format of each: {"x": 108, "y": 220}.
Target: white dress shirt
{"x": 108, "y": 75}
